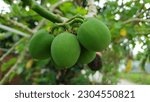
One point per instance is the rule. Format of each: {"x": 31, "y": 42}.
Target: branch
{"x": 13, "y": 68}
{"x": 24, "y": 27}
{"x": 92, "y": 11}
{"x": 10, "y": 50}
{"x": 136, "y": 20}
{"x": 14, "y": 30}
{"x": 45, "y": 13}
{"x": 4, "y": 49}
{"x": 21, "y": 26}
{"x": 52, "y": 8}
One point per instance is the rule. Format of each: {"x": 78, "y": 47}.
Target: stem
{"x": 10, "y": 50}
{"x": 24, "y": 27}
{"x": 136, "y": 20}
{"x": 14, "y": 30}
{"x": 56, "y": 27}
{"x": 45, "y": 13}
{"x": 66, "y": 24}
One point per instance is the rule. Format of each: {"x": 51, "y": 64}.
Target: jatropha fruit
{"x": 67, "y": 49}
{"x": 40, "y": 43}
{"x": 94, "y": 35}
{"x": 86, "y": 56}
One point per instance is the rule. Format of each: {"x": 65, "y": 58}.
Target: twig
{"x": 14, "y": 30}
{"x": 13, "y": 68}
{"x": 136, "y": 20}
{"x": 11, "y": 49}
{"x": 21, "y": 26}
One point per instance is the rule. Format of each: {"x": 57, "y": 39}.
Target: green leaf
{"x": 42, "y": 63}
{"x": 16, "y": 10}
{"x": 20, "y": 68}
{"x": 8, "y": 64}
{"x": 12, "y": 75}
{"x": 81, "y": 11}
{"x": 8, "y": 1}
{"x": 68, "y": 9}
{"x": 80, "y": 80}
{"x": 52, "y": 1}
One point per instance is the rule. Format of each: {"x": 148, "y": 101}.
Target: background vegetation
{"x": 128, "y": 21}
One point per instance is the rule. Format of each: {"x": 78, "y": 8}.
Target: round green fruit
{"x": 86, "y": 56}
{"x": 40, "y": 43}
{"x": 65, "y": 50}
{"x": 94, "y": 35}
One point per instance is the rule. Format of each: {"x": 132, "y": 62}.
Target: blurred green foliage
{"x": 139, "y": 78}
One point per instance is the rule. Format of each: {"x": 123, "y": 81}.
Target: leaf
{"x": 52, "y": 1}
{"x": 80, "y": 80}
{"x": 81, "y": 11}
{"x": 68, "y": 9}
{"x": 12, "y": 75}
{"x": 2, "y": 36}
{"x": 8, "y": 1}
{"x": 132, "y": 11}
{"x": 19, "y": 48}
{"x": 20, "y": 68}
{"x": 16, "y": 10}
{"x": 52, "y": 77}
{"x": 8, "y": 64}
{"x": 146, "y": 1}
{"x": 42, "y": 63}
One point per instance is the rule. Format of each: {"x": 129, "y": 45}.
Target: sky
{"x": 5, "y": 8}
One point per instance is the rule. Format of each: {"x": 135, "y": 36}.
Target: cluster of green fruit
{"x": 67, "y": 49}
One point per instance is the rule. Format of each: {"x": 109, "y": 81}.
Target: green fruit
{"x": 40, "y": 43}
{"x": 94, "y": 35}
{"x": 86, "y": 56}
{"x": 65, "y": 50}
